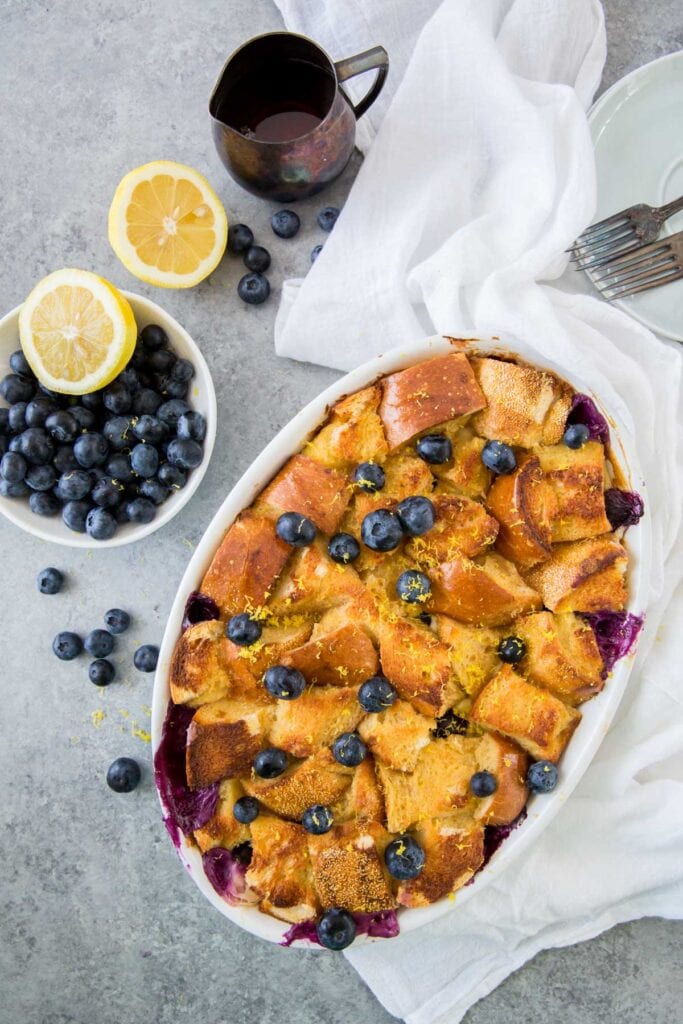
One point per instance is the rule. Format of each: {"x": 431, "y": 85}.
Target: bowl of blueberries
{"x": 110, "y": 467}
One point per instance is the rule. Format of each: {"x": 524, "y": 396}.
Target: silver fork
{"x": 621, "y": 233}
{"x": 648, "y": 267}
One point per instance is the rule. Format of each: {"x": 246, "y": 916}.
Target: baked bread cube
{"x": 405, "y": 475}
{"x": 488, "y": 592}
{"x": 473, "y": 651}
{"x": 223, "y": 829}
{"x": 279, "y": 635}
{"x": 362, "y": 608}
{"x": 577, "y": 478}
{"x": 583, "y": 576}
{"x": 249, "y": 559}
{"x": 280, "y": 869}
{"x": 416, "y": 399}
{"x": 396, "y": 736}
{"x": 305, "y": 486}
{"x": 223, "y": 739}
{"x": 533, "y": 718}
{"x": 363, "y": 800}
{"x": 353, "y": 433}
{"x": 462, "y": 527}
{"x": 509, "y": 764}
{"x": 315, "y": 719}
{"x": 562, "y": 655}
{"x": 524, "y": 406}
{"x": 342, "y": 657}
{"x": 417, "y": 664}
{"x": 313, "y": 583}
{"x": 317, "y": 780}
{"x": 525, "y": 506}
{"x": 465, "y": 473}
{"x": 198, "y": 670}
{"x": 454, "y": 851}
{"x": 348, "y": 867}
{"x": 438, "y": 785}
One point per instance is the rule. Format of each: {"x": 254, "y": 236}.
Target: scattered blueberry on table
{"x": 327, "y": 217}
{"x": 67, "y": 645}
{"x": 315, "y": 252}
{"x": 253, "y": 289}
{"x": 101, "y": 672}
{"x": 99, "y": 643}
{"x": 257, "y": 258}
{"x": 285, "y": 223}
{"x": 123, "y": 775}
{"x": 146, "y": 657}
{"x": 240, "y": 238}
{"x": 116, "y": 620}
{"x": 50, "y": 581}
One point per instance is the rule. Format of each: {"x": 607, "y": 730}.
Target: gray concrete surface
{"x": 99, "y": 923}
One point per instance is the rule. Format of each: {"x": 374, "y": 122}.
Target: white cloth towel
{"x": 479, "y": 176}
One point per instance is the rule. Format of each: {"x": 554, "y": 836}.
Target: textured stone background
{"x": 99, "y": 923}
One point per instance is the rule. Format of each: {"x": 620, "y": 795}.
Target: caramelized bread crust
{"x": 487, "y": 592}
{"x": 348, "y": 867}
{"x": 584, "y": 576}
{"x": 454, "y": 850}
{"x": 525, "y": 506}
{"x": 562, "y": 655}
{"x": 248, "y": 561}
{"x": 316, "y": 491}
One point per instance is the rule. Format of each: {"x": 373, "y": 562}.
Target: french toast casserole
{"x": 392, "y": 644}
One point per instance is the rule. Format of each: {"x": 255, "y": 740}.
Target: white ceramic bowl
{"x": 202, "y": 397}
{"x": 597, "y": 713}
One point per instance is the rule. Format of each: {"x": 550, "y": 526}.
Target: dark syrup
{"x": 279, "y": 101}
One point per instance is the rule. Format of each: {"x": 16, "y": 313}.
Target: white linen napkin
{"x": 480, "y": 175}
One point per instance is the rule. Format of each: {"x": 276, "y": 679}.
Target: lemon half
{"x": 167, "y": 225}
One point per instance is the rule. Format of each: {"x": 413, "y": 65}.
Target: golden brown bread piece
{"x": 425, "y": 395}
{"x": 280, "y": 869}
{"x": 405, "y": 474}
{"x": 223, "y": 739}
{"x": 223, "y": 829}
{"x": 313, "y": 490}
{"x": 313, "y": 583}
{"x": 315, "y": 719}
{"x": 488, "y": 592}
{"x": 363, "y": 800}
{"x": 473, "y": 651}
{"x": 342, "y": 657}
{"x": 198, "y": 668}
{"x": 561, "y": 655}
{"x": 396, "y": 736}
{"x": 438, "y": 785}
{"x": 577, "y": 478}
{"x": 462, "y": 527}
{"x": 417, "y": 664}
{"x": 465, "y": 473}
{"x": 533, "y": 718}
{"x": 524, "y": 406}
{"x": 278, "y": 636}
{"x": 454, "y": 850}
{"x": 509, "y": 764}
{"x": 583, "y": 576}
{"x": 362, "y": 608}
{"x": 524, "y": 504}
{"x": 348, "y": 867}
{"x": 353, "y": 433}
{"x": 317, "y": 780}
{"x": 248, "y": 561}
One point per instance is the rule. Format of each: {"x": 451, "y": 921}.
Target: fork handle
{"x": 664, "y": 212}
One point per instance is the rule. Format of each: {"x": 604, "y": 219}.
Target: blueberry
{"x": 14, "y": 444}
{"x": 369, "y": 477}
{"x": 483, "y": 784}
{"x": 14, "y": 388}
{"x": 172, "y": 477}
{"x": 349, "y": 749}
{"x": 171, "y": 411}
{"x": 130, "y": 378}
{"x": 18, "y": 363}
{"x": 336, "y": 929}
{"x": 74, "y": 485}
{"x": 149, "y": 428}
{"x": 146, "y": 401}
{"x": 243, "y": 630}
{"x": 162, "y": 360}
{"x": 123, "y": 775}
{"x": 317, "y": 819}
{"x": 36, "y": 446}
{"x": 101, "y": 672}
{"x": 253, "y": 289}
{"x": 511, "y": 649}
{"x": 376, "y": 694}
{"x": 4, "y": 421}
{"x": 50, "y": 581}
{"x": 146, "y": 657}
{"x": 192, "y": 427}
{"x": 74, "y": 514}
{"x": 120, "y": 513}
{"x": 107, "y": 493}
{"x": 117, "y": 398}
{"x": 38, "y": 410}
{"x": 144, "y": 460}
{"x": 91, "y": 449}
{"x": 184, "y": 453}
{"x": 285, "y": 223}
{"x": 434, "y": 449}
{"x": 13, "y": 467}
{"x": 92, "y": 401}
{"x": 315, "y": 252}
{"x": 99, "y": 643}
{"x": 576, "y": 435}
{"x": 413, "y": 587}
{"x": 343, "y": 548}
{"x": 85, "y": 418}
{"x": 257, "y": 258}
{"x": 154, "y": 490}
{"x": 183, "y": 370}
{"x": 246, "y": 809}
{"x": 153, "y": 337}
{"x": 240, "y": 237}
{"x": 118, "y": 431}
{"x": 43, "y": 503}
{"x": 327, "y": 217}
{"x": 141, "y": 510}
{"x": 270, "y": 763}
{"x": 416, "y": 514}
{"x": 541, "y": 777}
{"x": 116, "y": 620}
{"x": 404, "y": 858}
{"x": 16, "y": 418}
{"x": 62, "y": 426}
{"x": 295, "y": 529}
{"x": 283, "y": 682}
{"x": 170, "y": 387}
{"x": 67, "y": 646}
{"x": 41, "y": 478}
{"x": 64, "y": 459}
{"x": 18, "y": 490}
{"x": 100, "y": 524}
{"x": 498, "y": 457}
{"x": 381, "y": 530}
{"x": 118, "y": 467}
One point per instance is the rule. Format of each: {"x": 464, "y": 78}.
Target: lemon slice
{"x": 77, "y": 331}
{"x": 167, "y": 225}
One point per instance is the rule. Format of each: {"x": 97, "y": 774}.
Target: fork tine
{"x": 636, "y": 263}
{"x": 620, "y": 293}
{"x": 608, "y": 222}
{"x": 642, "y": 252}
{"x": 603, "y": 239}
{"x": 636, "y": 274}
{"x": 590, "y": 262}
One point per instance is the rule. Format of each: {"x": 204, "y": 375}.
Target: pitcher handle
{"x": 377, "y": 57}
